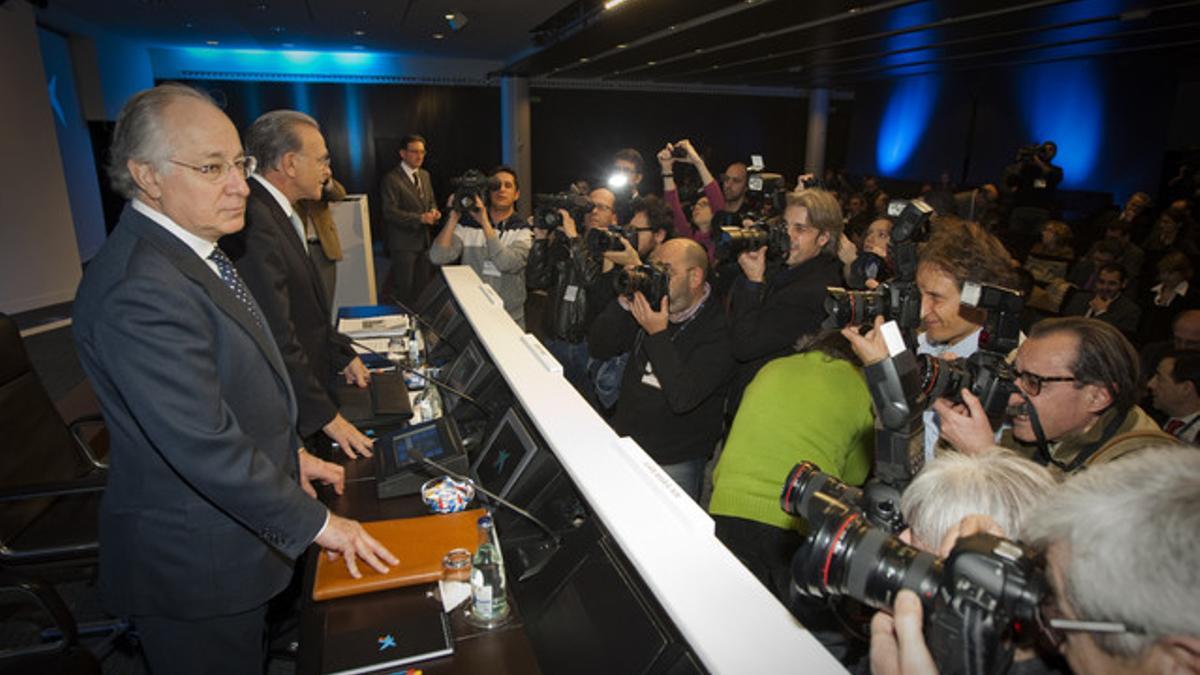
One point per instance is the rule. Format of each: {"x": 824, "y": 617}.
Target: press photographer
{"x": 674, "y": 383}
{"x": 774, "y": 302}
{"x": 560, "y": 263}
{"x": 1100, "y": 533}
{"x": 1075, "y": 405}
{"x": 1034, "y": 181}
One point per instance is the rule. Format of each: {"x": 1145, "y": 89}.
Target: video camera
{"x": 470, "y": 185}
{"x": 735, "y": 239}
{"x": 977, "y": 600}
{"x": 649, "y": 278}
{"x": 1026, "y": 153}
{"x": 546, "y": 215}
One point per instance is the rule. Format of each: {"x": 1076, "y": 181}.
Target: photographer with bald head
{"x": 674, "y": 383}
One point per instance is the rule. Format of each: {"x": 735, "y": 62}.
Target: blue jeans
{"x": 574, "y": 359}
{"x": 689, "y": 474}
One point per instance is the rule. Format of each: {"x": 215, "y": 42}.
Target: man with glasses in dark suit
{"x": 205, "y": 508}
{"x": 409, "y": 212}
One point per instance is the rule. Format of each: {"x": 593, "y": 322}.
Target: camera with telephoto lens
{"x": 470, "y": 185}
{"x": 650, "y": 278}
{"x": 979, "y": 601}
{"x": 1026, "y": 153}
{"x": 546, "y": 215}
{"x": 733, "y": 240}
{"x": 987, "y": 373}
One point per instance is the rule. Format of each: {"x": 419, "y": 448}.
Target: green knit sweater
{"x": 801, "y": 407}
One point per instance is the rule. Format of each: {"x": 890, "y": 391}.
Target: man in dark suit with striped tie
{"x": 409, "y": 212}
{"x": 205, "y": 509}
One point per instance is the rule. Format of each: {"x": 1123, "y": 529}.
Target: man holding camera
{"x": 1035, "y": 187}
{"x": 497, "y": 252}
{"x": 1101, "y": 532}
{"x": 771, "y": 309}
{"x": 561, "y": 263}
{"x": 674, "y": 383}
{"x": 1077, "y": 380}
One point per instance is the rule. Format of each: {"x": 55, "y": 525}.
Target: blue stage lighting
{"x": 904, "y": 121}
{"x": 1064, "y": 102}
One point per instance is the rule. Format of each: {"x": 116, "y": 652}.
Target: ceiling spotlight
{"x": 189, "y": 24}
{"x": 457, "y": 20}
{"x": 622, "y": 46}
{"x": 278, "y": 29}
{"x": 584, "y": 59}
{"x": 360, "y": 32}
{"x": 650, "y": 63}
{"x": 609, "y": 4}
{"x": 438, "y": 36}
{"x": 212, "y": 43}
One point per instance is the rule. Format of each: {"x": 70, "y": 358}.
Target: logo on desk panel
{"x": 386, "y": 642}
{"x": 501, "y": 460}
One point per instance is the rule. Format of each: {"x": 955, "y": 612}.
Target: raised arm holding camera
{"x": 701, "y": 223}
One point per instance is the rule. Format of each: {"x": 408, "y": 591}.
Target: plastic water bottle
{"x": 489, "y": 591}
{"x": 414, "y": 347}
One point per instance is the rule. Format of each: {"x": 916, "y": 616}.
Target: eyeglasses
{"x": 602, "y": 207}
{"x": 215, "y": 172}
{"x": 1032, "y": 382}
{"x": 321, "y": 161}
{"x": 1054, "y": 627}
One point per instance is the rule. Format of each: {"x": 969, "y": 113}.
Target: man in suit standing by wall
{"x": 409, "y": 211}
{"x": 205, "y": 508}
{"x": 272, "y": 256}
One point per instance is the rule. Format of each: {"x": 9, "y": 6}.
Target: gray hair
{"x": 998, "y": 483}
{"x": 1129, "y": 531}
{"x": 140, "y": 136}
{"x": 273, "y": 135}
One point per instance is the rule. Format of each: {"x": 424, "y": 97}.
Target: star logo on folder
{"x": 386, "y": 642}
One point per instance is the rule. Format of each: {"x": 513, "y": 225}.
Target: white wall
{"x": 39, "y": 260}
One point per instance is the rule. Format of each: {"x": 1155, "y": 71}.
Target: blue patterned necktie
{"x": 234, "y": 281}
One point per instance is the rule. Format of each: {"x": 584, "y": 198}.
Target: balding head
{"x": 604, "y": 212}
{"x": 1186, "y": 330}
{"x": 687, "y": 263}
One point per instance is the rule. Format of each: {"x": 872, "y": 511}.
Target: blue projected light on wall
{"x": 904, "y": 121}
{"x": 1064, "y": 102}
{"x": 911, "y": 102}
{"x": 300, "y": 97}
{"x": 299, "y": 64}
{"x": 354, "y": 129}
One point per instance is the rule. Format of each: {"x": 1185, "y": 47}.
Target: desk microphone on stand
{"x": 437, "y": 383}
{"x": 533, "y": 561}
{"x": 429, "y": 326}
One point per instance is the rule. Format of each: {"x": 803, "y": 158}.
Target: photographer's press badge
{"x": 649, "y": 378}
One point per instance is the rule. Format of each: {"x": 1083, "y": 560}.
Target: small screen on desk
{"x": 425, "y": 440}
{"x": 442, "y": 323}
{"x": 508, "y": 451}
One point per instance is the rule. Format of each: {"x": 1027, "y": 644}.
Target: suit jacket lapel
{"x": 198, "y": 271}
{"x": 257, "y": 191}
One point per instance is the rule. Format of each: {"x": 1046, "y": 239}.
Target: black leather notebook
{"x": 374, "y": 636}
{"x": 384, "y": 401}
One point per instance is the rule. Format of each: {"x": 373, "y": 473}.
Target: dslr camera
{"x": 470, "y": 185}
{"x": 978, "y": 601}
{"x": 600, "y": 241}
{"x": 546, "y": 215}
{"x": 733, "y": 240}
{"x": 1026, "y": 153}
{"x": 649, "y": 278}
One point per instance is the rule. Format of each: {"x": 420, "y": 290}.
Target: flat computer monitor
{"x": 432, "y": 297}
{"x": 507, "y": 453}
{"x": 464, "y": 374}
{"x": 443, "y": 324}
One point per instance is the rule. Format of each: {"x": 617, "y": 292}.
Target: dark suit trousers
{"x": 225, "y": 644}
{"x": 410, "y": 274}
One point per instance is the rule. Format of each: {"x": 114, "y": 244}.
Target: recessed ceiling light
{"x": 670, "y": 27}
{"x": 287, "y": 45}
{"x": 360, "y": 32}
{"x": 584, "y": 59}
{"x": 612, "y": 3}
{"x": 650, "y": 63}
{"x": 278, "y": 29}
{"x": 262, "y": 6}
{"x": 449, "y": 16}
{"x": 438, "y": 36}
{"x": 715, "y": 67}
{"x": 697, "y": 50}
{"x": 189, "y": 24}
{"x": 212, "y": 43}
{"x": 622, "y": 46}
{"x": 359, "y": 47}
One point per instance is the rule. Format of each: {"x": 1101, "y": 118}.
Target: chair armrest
{"x": 58, "y": 489}
{"x": 89, "y": 453}
{"x": 51, "y": 601}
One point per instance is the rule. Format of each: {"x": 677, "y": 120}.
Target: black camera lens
{"x": 854, "y": 308}
{"x": 807, "y": 489}
{"x": 679, "y": 152}
{"x": 651, "y": 280}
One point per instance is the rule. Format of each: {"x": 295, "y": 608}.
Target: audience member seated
{"x": 977, "y": 205}
{"x": 1170, "y": 234}
{"x": 1131, "y": 256}
{"x": 1136, "y": 214}
{"x": 1185, "y": 336}
{"x": 1083, "y": 274}
{"x": 679, "y": 363}
{"x": 772, "y": 306}
{"x": 700, "y": 227}
{"x": 1175, "y": 388}
{"x": 832, "y": 425}
{"x": 1100, "y": 532}
{"x": 1080, "y": 378}
{"x": 858, "y": 216}
{"x": 1051, "y": 256}
{"x": 493, "y": 240}
{"x": 1172, "y": 294}
{"x": 1108, "y": 302}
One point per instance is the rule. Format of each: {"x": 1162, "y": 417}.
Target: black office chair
{"x": 50, "y": 483}
{"x": 26, "y": 606}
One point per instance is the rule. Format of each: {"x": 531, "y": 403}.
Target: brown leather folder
{"x": 419, "y": 543}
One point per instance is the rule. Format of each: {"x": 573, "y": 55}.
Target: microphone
{"x": 428, "y": 326}
{"x": 438, "y": 383}
{"x": 534, "y": 562}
